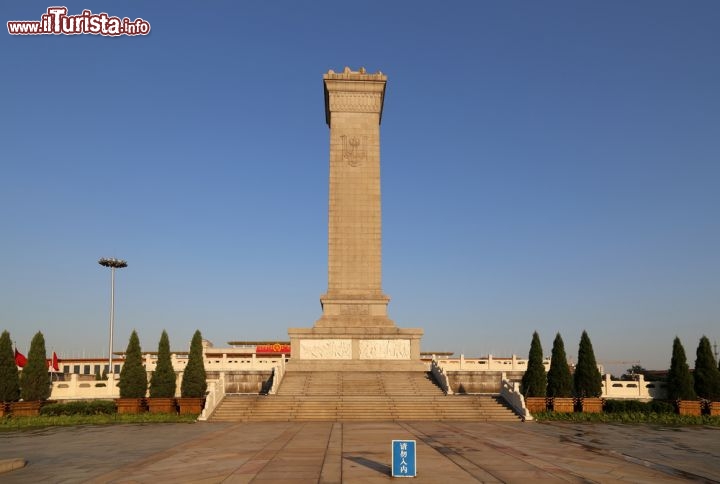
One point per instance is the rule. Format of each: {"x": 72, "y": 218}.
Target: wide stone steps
{"x": 361, "y": 396}
{"x": 475, "y": 408}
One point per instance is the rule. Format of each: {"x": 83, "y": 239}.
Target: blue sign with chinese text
{"x": 403, "y": 458}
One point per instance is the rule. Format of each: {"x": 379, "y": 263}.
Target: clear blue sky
{"x": 549, "y": 166}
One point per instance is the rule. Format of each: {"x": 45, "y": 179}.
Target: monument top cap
{"x": 361, "y": 75}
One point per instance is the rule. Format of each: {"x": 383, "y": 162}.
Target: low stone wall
{"x": 479, "y": 381}
{"x": 254, "y": 381}
{"x": 75, "y": 388}
{"x": 634, "y": 390}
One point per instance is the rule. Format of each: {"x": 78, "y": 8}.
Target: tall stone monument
{"x": 354, "y": 326}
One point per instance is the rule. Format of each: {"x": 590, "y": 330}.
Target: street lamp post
{"x": 112, "y": 264}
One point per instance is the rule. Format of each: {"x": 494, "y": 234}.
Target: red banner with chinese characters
{"x": 274, "y": 348}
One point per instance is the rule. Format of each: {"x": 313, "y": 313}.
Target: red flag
{"x": 20, "y": 359}
{"x": 55, "y": 362}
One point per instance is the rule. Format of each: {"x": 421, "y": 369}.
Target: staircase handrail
{"x": 278, "y": 374}
{"x": 510, "y": 392}
{"x": 213, "y": 396}
{"x": 440, "y": 376}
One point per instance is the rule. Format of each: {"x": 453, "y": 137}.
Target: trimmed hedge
{"x": 634, "y": 406}
{"x": 628, "y": 418}
{"x": 92, "y": 407}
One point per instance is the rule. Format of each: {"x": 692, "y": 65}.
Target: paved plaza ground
{"x": 360, "y": 453}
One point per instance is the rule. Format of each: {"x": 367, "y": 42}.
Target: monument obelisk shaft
{"x": 354, "y": 331}
{"x": 353, "y": 111}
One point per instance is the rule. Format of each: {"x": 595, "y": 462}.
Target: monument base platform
{"x": 355, "y": 365}
{"x": 354, "y": 348}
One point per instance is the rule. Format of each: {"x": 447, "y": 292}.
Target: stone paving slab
{"x": 359, "y": 452}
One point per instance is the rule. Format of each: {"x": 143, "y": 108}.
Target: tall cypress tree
{"x": 587, "y": 378}
{"x": 9, "y": 375}
{"x": 679, "y": 379}
{"x": 35, "y": 379}
{"x": 194, "y": 381}
{"x": 707, "y": 375}
{"x": 133, "y": 378}
{"x": 534, "y": 381}
{"x": 162, "y": 383}
{"x": 560, "y": 382}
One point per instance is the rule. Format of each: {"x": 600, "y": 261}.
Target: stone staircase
{"x": 360, "y": 396}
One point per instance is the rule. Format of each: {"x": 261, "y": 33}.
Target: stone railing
{"x": 230, "y": 363}
{"x": 486, "y": 364}
{"x": 510, "y": 392}
{"x": 213, "y": 396}
{"x": 440, "y": 377}
{"x": 278, "y": 374}
{"x": 77, "y": 387}
{"x": 633, "y": 389}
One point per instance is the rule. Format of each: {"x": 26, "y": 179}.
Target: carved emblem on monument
{"x": 351, "y": 152}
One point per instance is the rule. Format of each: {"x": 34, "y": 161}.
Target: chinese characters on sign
{"x": 403, "y": 458}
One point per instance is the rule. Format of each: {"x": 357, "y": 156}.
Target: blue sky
{"x": 548, "y": 166}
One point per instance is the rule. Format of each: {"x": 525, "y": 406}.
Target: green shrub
{"x": 35, "y": 379}
{"x": 628, "y": 418}
{"x": 92, "y": 407}
{"x": 133, "y": 379}
{"x": 9, "y": 375}
{"x": 194, "y": 381}
{"x": 635, "y": 406}
{"x": 534, "y": 381}
{"x": 162, "y": 383}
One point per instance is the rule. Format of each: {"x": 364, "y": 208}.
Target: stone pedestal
{"x": 343, "y": 348}
{"x": 354, "y": 330}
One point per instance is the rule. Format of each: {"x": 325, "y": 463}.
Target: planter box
{"x": 591, "y": 405}
{"x": 563, "y": 404}
{"x": 25, "y": 409}
{"x": 690, "y": 407}
{"x": 161, "y": 405}
{"x": 536, "y": 404}
{"x": 130, "y": 405}
{"x": 190, "y": 405}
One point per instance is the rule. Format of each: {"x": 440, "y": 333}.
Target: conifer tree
{"x": 707, "y": 375}
{"x": 9, "y": 376}
{"x": 587, "y": 378}
{"x": 534, "y": 381}
{"x": 560, "y": 382}
{"x": 133, "y": 378}
{"x": 679, "y": 379}
{"x": 162, "y": 383}
{"x": 194, "y": 381}
{"x": 35, "y": 379}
